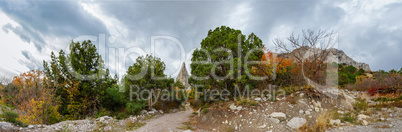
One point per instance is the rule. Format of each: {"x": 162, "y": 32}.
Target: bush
{"x": 135, "y": 107}
{"x": 360, "y": 105}
{"x": 204, "y": 111}
{"x": 10, "y": 116}
{"x": 112, "y": 100}
{"x": 122, "y": 116}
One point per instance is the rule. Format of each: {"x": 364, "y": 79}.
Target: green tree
{"x": 80, "y": 79}
{"x": 147, "y": 73}
{"x": 220, "y": 62}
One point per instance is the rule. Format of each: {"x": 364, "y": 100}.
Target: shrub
{"x": 112, "y": 100}
{"x": 204, "y": 111}
{"x": 135, "y": 107}
{"x": 360, "y": 105}
{"x": 122, "y": 116}
{"x": 349, "y": 117}
{"x": 10, "y": 116}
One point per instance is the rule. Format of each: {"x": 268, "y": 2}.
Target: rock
{"x": 307, "y": 112}
{"x": 161, "y": 111}
{"x": 365, "y": 122}
{"x": 274, "y": 120}
{"x": 317, "y": 109}
{"x": 239, "y": 108}
{"x": 143, "y": 112}
{"x": 104, "y": 118}
{"x": 278, "y": 115}
{"x": 30, "y": 126}
{"x": 263, "y": 126}
{"x": 257, "y": 99}
{"x": 6, "y": 126}
{"x": 301, "y": 111}
{"x": 361, "y": 117}
{"x": 232, "y": 106}
{"x": 301, "y": 95}
{"x": 187, "y": 131}
{"x": 336, "y": 122}
{"x": 296, "y": 122}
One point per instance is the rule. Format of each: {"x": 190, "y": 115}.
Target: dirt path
{"x": 168, "y": 122}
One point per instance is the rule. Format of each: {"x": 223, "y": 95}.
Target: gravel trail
{"x": 168, "y": 122}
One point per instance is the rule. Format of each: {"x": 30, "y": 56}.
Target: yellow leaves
{"x": 35, "y": 100}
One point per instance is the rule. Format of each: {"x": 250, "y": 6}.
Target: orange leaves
{"x": 34, "y": 98}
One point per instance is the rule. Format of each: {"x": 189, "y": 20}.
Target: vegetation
{"x": 225, "y": 47}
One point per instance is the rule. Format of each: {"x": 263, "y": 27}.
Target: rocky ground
{"x": 299, "y": 112}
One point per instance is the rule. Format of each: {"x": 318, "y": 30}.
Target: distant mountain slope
{"x": 335, "y": 55}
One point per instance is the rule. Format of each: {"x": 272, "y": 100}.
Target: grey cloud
{"x": 31, "y": 62}
{"x": 50, "y": 18}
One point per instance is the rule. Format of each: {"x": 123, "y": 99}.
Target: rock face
{"x": 344, "y": 59}
{"x": 335, "y": 55}
{"x": 183, "y": 76}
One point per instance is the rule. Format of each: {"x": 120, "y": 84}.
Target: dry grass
{"x": 131, "y": 126}
{"x": 322, "y": 121}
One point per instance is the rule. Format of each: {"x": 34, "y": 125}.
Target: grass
{"x": 186, "y": 126}
{"x": 204, "y": 111}
{"x": 349, "y": 117}
{"x": 322, "y": 121}
{"x": 131, "y": 126}
{"x": 247, "y": 102}
{"x": 360, "y": 105}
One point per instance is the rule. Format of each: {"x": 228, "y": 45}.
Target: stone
{"x": 307, "y": 112}
{"x": 263, "y": 126}
{"x": 296, "y": 122}
{"x": 30, "y": 126}
{"x": 301, "y": 111}
{"x": 317, "y": 109}
{"x": 232, "y": 106}
{"x": 362, "y": 117}
{"x": 105, "y": 118}
{"x": 336, "y": 122}
{"x": 143, "y": 112}
{"x": 257, "y": 99}
{"x": 301, "y": 95}
{"x": 365, "y": 122}
{"x": 278, "y": 115}
{"x": 239, "y": 108}
{"x": 274, "y": 120}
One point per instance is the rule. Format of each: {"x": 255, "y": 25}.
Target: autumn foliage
{"x": 34, "y": 99}
{"x": 277, "y": 70}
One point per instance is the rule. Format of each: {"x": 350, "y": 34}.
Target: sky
{"x": 369, "y": 31}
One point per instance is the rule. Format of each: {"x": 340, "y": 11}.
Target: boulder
{"x": 296, "y": 122}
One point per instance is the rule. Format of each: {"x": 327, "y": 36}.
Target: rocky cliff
{"x": 183, "y": 76}
{"x": 335, "y": 55}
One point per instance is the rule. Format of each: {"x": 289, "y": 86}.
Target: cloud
{"x": 49, "y": 18}
{"x": 31, "y": 62}
{"x": 364, "y": 27}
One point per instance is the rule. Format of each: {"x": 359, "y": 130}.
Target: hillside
{"x": 335, "y": 55}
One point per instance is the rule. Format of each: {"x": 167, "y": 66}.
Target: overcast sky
{"x": 369, "y": 31}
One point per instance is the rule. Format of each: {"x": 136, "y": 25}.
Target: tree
{"x": 35, "y": 99}
{"x": 147, "y": 73}
{"x": 279, "y": 71}
{"x": 80, "y": 79}
{"x": 220, "y": 62}
{"x": 311, "y": 50}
